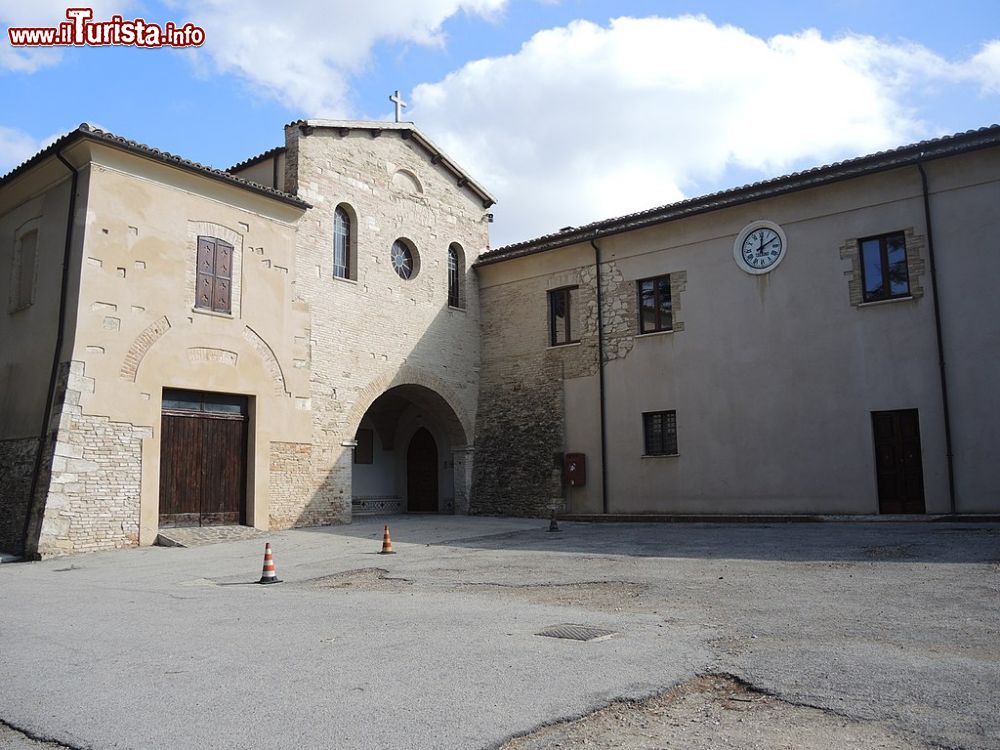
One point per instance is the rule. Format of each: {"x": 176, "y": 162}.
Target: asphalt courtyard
{"x": 891, "y": 628}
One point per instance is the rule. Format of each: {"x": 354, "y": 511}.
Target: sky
{"x": 567, "y": 111}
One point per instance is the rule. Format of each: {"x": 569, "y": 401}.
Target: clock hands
{"x": 760, "y": 247}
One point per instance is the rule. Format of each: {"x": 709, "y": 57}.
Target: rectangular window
{"x": 22, "y": 291}
{"x": 660, "y": 433}
{"x": 562, "y": 307}
{"x": 883, "y": 267}
{"x": 364, "y": 453}
{"x": 215, "y": 275}
{"x": 655, "y": 310}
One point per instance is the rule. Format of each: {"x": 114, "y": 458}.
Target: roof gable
{"x": 408, "y": 131}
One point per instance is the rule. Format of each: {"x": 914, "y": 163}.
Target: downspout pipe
{"x": 600, "y": 376}
{"x": 940, "y": 339}
{"x": 33, "y": 503}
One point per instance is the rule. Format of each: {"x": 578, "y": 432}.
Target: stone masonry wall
{"x": 521, "y": 422}
{"x": 520, "y": 428}
{"x": 294, "y": 500}
{"x": 93, "y": 477}
{"x": 17, "y": 460}
{"x": 520, "y": 431}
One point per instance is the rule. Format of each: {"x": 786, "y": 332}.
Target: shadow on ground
{"x": 912, "y": 542}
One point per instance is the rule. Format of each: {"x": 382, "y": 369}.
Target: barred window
{"x": 456, "y": 270}
{"x": 660, "y": 433}
{"x": 341, "y": 243}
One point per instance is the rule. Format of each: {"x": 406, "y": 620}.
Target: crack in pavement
{"x": 712, "y": 710}
{"x": 38, "y": 738}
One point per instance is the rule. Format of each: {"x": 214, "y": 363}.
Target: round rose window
{"x": 402, "y": 259}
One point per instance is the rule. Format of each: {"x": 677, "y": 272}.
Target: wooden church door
{"x": 422, "y": 473}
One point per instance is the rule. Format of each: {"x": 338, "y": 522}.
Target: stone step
{"x": 197, "y": 536}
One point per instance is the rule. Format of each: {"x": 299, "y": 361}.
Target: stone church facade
{"x": 323, "y": 331}
{"x": 214, "y": 366}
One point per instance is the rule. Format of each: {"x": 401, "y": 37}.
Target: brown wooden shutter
{"x": 223, "y": 277}
{"x": 205, "y": 289}
{"x": 215, "y": 275}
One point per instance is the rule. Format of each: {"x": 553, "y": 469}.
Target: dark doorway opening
{"x": 203, "y": 459}
{"x": 898, "y": 463}
{"x": 422, "y": 473}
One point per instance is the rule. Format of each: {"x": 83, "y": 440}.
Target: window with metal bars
{"x": 884, "y": 272}
{"x": 341, "y": 243}
{"x": 215, "y": 275}
{"x": 562, "y": 303}
{"x": 655, "y": 307}
{"x": 660, "y": 433}
{"x": 456, "y": 267}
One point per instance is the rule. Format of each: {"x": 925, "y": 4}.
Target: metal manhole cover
{"x": 577, "y": 632}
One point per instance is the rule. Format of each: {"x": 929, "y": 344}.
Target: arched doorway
{"x": 411, "y": 455}
{"x": 422, "y": 473}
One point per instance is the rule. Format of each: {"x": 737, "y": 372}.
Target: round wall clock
{"x": 760, "y": 247}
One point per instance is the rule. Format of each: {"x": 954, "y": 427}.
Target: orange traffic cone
{"x": 386, "y": 543}
{"x": 269, "y": 575}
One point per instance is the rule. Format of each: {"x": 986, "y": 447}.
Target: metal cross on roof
{"x": 398, "y": 101}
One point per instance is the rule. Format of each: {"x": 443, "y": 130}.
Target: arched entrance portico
{"x": 412, "y": 455}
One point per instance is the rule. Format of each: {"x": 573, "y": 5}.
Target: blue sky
{"x": 568, "y": 111}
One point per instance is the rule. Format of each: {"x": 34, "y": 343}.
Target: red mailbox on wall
{"x": 575, "y": 469}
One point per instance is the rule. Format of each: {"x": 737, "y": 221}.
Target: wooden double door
{"x": 898, "y": 463}
{"x": 203, "y": 459}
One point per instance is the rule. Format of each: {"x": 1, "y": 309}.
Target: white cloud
{"x": 16, "y": 147}
{"x": 305, "y": 55}
{"x": 985, "y": 68}
{"x": 586, "y": 122}
{"x": 27, "y": 60}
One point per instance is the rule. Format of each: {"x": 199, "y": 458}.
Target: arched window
{"x": 341, "y": 243}
{"x": 456, "y": 271}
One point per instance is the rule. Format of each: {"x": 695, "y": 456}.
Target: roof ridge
{"x": 254, "y": 159}
{"x": 944, "y": 145}
{"x": 85, "y": 129}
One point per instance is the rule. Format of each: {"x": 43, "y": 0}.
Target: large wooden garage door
{"x": 203, "y": 447}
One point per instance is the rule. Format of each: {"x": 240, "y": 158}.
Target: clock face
{"x": 759, "y": 247}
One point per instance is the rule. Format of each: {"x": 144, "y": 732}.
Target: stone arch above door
{"x": 421, "y": 388}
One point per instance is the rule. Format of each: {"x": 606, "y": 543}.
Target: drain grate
{"x": 577, "y": 632}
